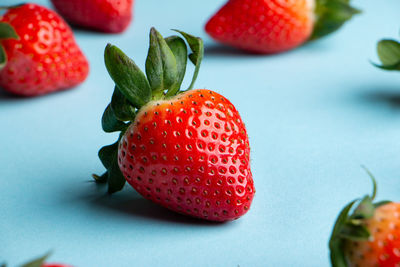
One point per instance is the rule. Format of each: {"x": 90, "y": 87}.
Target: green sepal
{"x": 161, "y": 67}
{"x": 364, "y": 210}
{"x": 197, "y": 46}
{"x": 122, "y": 108}
{"x": 389, "y": 54}
{"x": 107, "y": 153}
{"x": 37, "y": 262}
{"x": 110, "y": 123}
{"x": 116, "y": 179}
{"x": 337, "y": 256}
{"x": 3, "y": 265}
{"x": 7, "y": 31}
{"x": 12, "y": 6}
{"x": 330, "y": 16}
{"x": 127, "y": 76}
{"x": 381, "y": 203}
{"x": 3, "y": 57}
{"x": 354, "y": 232}
{"x": 100, "y": 179}
{"x": 179, "y": 48}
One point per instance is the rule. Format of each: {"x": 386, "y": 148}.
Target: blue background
{"x": 314, "y": 115}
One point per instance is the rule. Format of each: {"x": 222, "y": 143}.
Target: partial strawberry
{"x": 273, "y": 26}
{"x": 42, "y": 56}
{"x": 40, "y": 262}
{"x": 389, "y": 54}
{"x": 111, "y": 16}
{"x": 367, "y": 235}
{"x": 185, "y": 150}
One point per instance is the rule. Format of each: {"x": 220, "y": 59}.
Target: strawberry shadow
{"x": 386, "y": 96}
{"x": 129, "y": 203}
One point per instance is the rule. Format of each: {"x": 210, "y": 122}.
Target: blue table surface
{"x": 313, "y": 115}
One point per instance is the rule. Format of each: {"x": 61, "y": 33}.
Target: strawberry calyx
{"x": 389, "y": 54}
{"x": 6, "y": 32}
{"x": 330, "y": 15}
{"x": 38, "y": 262}
{"x": 165, "y": 70}
{"x": 350, "y": 224}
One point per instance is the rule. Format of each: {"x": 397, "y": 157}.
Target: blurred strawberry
{"x": 112, "y": 16}
{"x": 38, "y": 54}
{"x": 272, "y": 26}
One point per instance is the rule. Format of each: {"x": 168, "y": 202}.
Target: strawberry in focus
{"x": 273, "y": 26}
{"x": 369, "y": 236}
{"x": 185, "y": 150}
{"x": 111, "y": 16}
{"x": 42, "y": 56}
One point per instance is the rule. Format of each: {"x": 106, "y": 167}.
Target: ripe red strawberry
{"x": 369, "y": 237}
{"x": 185, "y": 150}
{"x": 112, "y": 16}
{"x": 272, "y": 26}
{"x": 45, "y": 57}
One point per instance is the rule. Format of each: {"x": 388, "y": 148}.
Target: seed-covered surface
{"x": 383, "y": 248}
{"x": 46, "y": 57}
{"x": 263, "y": 26}
{"x": 111, "y": 16}
{"x": 191, "y": 155}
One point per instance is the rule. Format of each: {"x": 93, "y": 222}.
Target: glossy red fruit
{"x": 190, "y": 154}
{"x": 45, "y": 58}
{"x": 112, "y": 16}
{"x": 272, "y": 26}
{"x": 367, "y": 235}
{"x": 186, "y": 150}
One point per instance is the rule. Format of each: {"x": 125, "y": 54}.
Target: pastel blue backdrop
{"x": 314, "y": 115}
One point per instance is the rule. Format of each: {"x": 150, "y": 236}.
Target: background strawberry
{"x": 271, "y": 26}
{"x": 112, "y": 16}
{"x": 185, "y": 150}
{"x": 40, "y": 262}
{"x": 370, "y": 236}
{"x": 45, "y": 57}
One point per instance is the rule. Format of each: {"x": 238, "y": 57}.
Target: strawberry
{"x": 369, "y": 236}
{"x": 43, "y": 56}
{"x": 111, "y": 16}
{"x": 272, "y": 26}
{"x": 185, "y": 150}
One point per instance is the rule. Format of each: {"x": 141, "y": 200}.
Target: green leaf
{"x": 335, "y": 242}
{"x": 37, "y": 262}
{"x": 122, "y": 108}
{"x": 364, "y": 210}
{"x": 389, "y": 54}
{"x": 179, "y": 48}
{"x": 101, "y": 179}
{"x": 127, "y": 76}
{"x": 116, "y": 179}
{"x": 381, "y": 203}
{"x": 330, "y": 16}
{"x": 3, "y": 265}
{"x": 110, "y": 123}
{"x": 354, "y": 232}
{"x": 107, "y": 154}
{"x": 7, "y": 31}
{"x": 3, "y": 57}
{"x": 197, "y": 47}
{"x": 161, "y": 68}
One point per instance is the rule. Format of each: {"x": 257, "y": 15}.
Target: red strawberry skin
{"x": 191, "y": 155}
{"x": 46, "y": 57}
{"x": 383, "y": 247}
{"x": 263, "y": 26}
{"x": 111, "y": 16}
